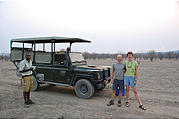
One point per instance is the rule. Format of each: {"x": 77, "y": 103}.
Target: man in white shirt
{"x": 25, "y": 68}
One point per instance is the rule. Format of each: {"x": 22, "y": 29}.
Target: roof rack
{"x": 49, "y": 40}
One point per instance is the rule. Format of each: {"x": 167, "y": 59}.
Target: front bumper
{"x": 103, "y": 83}
{"x": 100, "y": 85}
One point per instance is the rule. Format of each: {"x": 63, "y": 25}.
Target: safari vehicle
{"x": 64, "y": 68}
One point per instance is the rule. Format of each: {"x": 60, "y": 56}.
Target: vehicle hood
{"x": 93, "y": 67}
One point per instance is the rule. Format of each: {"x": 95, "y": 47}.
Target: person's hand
{"x": 31, "y": 68}
{"x": 135, "y": 82}
{"x": 112, "y": 81}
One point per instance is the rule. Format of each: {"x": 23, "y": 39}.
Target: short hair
{"x": 130, "y": 53}
{"x": 27, "y": 54}
{"x": 119, "y": 55}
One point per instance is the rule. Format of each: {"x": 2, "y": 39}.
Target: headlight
{"x": 98, "y": 74}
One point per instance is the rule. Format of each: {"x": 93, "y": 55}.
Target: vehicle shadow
{"x": 70, "y": 91}
{"x": 57, "y": 89}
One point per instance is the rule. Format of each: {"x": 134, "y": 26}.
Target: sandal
{"x": 142, "y": 107}
{"x": 127, "y": 104}
{"x": 119, "y": 103}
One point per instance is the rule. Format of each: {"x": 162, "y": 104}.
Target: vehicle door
{"x": 62, "y": 72}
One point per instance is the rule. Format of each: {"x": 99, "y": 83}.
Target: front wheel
{"x": 84, "y": 89}
{"x": 36, "y": 84}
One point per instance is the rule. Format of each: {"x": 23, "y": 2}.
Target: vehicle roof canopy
{"x": 49, "y": 40}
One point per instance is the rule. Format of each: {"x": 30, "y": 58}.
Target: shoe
{"x": 142, "y": 107}
{"x": 26, "y": 105}
{"x": 127, "y": 104}
{"x": 119, "y": 103}
{"x": 30, "y": 102}
{"x": 111, "y": 102}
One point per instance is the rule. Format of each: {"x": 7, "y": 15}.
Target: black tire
{"x": 36, "y": 84}
{"x": 84, "y": 88}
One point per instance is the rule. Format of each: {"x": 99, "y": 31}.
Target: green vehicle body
{"x": 64, "y": 68}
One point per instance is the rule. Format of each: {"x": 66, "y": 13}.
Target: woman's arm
{"x": 136, "y": 73}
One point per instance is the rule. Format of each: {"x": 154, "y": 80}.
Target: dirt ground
{"x": 158, "y": 88}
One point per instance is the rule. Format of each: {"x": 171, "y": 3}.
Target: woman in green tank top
{"x": 130, "y": 79}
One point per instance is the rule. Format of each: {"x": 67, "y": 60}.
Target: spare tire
{"x": 84, "y": 88}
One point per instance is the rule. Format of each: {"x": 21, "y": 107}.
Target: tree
{"x": 85, "y": 54}
{"x": 151, "y": 55}
{"x": 170, "y": 55}
{"x": 160, "y": 55}
{"x": 177, "y": 56}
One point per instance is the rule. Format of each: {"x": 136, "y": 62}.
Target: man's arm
{"x": 26, "y": 70}
{"x": 112, "y": 76}
{"x": 22, "y": 68}
{"x": 124, "y": 68}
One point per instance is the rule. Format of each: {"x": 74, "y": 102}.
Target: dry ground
{"x": 158, "y": 87}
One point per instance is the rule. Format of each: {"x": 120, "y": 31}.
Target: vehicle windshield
{"x": 77, "y": 58}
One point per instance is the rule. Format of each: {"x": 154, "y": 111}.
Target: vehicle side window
{"x": 60, "y": 58}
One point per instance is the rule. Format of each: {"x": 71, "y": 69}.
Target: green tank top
{"x": 130, "y": 68}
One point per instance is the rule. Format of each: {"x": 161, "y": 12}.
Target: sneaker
{"x": 119, "y": 103}
{"x": 142, "y": 107}
{"x": 26, "y": 105}
{"x": 127, "y": 104}
{"x": 30, "y": 102}
{"x": 111, "y": 102}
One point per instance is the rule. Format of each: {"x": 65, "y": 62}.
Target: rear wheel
{"x": 84, "y": 89}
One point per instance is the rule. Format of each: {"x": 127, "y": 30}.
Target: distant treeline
{"x": 145, "y": 56}
{"x": 4, "y": 57}
{"x": 151, "y": 55}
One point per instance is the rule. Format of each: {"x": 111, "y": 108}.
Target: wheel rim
{"x": 83, "y": 88}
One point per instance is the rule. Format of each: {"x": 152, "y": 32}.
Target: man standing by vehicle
{"x": 130, "y": 79}
{"x": 25, "y": 68}
{"x": 117, "y": 79}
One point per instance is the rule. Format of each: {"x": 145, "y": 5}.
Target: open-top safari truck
{"x": 64, "y": 68}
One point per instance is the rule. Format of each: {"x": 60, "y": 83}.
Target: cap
{"x": 28, "y": 54}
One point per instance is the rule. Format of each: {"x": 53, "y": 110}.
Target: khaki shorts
{"x": 27, "y": 83}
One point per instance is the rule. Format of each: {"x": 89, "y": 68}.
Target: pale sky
{"x": 112, "y": 25}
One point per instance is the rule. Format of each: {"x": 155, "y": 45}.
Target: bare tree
{"x": 160, "y": 55}
{"x": 86, "y": 54}
{"x": 177, "y": 56}
{"x": 170, "y": 55}
{"x": 151, "y": 55}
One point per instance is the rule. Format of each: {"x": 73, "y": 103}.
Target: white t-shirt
{"x": 25, "y": 65}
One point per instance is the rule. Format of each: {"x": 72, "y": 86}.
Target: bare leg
{"x": 136, "y": 95}
{"x": 113, "y": 94}
{"x": 127, "y": 93}
{"x": 120, "y": 95}
{"x": 25, "y": 96}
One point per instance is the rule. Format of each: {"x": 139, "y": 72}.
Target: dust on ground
{"x": 158, "y": 88}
